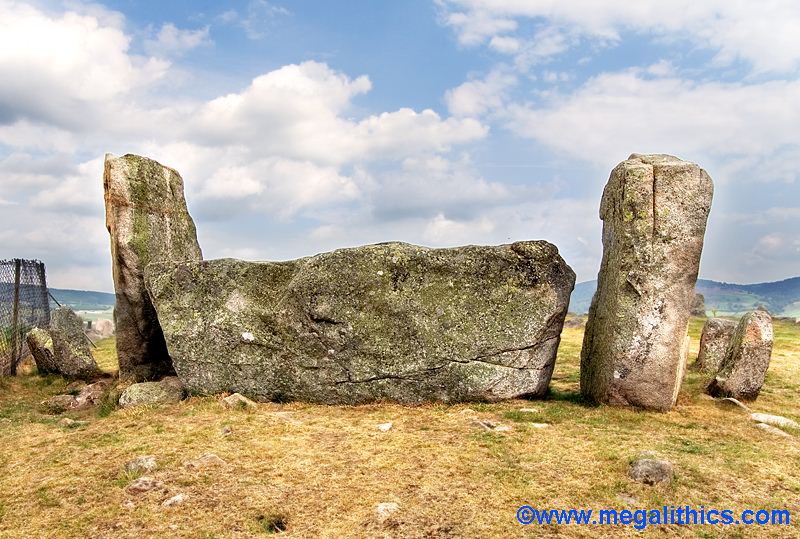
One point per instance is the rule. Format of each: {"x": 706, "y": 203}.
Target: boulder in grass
{"x": 747, "y": 358}
{"x": 167, "y": 391}
{"x": 389, "y": 321}
{"x": 714, "y": 341}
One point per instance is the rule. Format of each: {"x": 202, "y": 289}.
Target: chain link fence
{"x": 24, "y": 304}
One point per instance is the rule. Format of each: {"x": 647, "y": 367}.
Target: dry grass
{"x": 322, "y": 469}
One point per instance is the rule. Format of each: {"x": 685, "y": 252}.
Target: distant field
{"x": 322, "y": 469}
{"x": 781, "y": 298}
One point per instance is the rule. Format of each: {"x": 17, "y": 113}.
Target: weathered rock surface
{"x": 167, "y": 391}
{"x": 87, "y": 396}
{"x": 147, "y": 219}
{"x": 141, "y": 465}
{"x": 40, "y": 345}
{"x": 63, "y": 348}
{"x": 746, "y": 361}
{"x": 654, "y": 211}
{"x": 238, "y": 401}
{"x": 388, "y": 321}
{"x": 651, "y": 471}
{"x": 714, "y": 341}
{"x": 698, "y": 307}
{"x": 776, "y": 421}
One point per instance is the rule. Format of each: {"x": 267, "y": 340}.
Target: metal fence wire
{"x": 24, "y": 304}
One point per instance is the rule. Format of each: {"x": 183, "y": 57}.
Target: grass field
{"x": 319, "y": 471}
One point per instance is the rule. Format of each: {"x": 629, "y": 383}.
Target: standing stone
{"x": 390, "y": 321}
{"x": 654, "y": 211}
{"x": 698, "y": 305}
{"x": 716, "y": 336}
{"x": 746, "y": 361}
{"x": 147, "y": 219}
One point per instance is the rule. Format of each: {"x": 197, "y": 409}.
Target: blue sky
{"x": 305, "y": 126}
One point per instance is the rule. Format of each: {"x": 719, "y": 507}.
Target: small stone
{"x": 529, "y": 410}
{"x": 248, "y": 337}
{"x": 167, "y": 391}
{"x": 775, "y": 421}
{"x": 385, "y": 427}
{"x": 238, "y": 401}
{"x": 467, "y": 411}
{"x": 492, "y": 426}
{"x": 59, "y": 404}
{"x": 226, "y": 431}
{"x": 651, "y": 471}
{"x": 730, "y": 402}
{"x": 175, "y": 500}
{"x": 286, "y": 416}
{"x": 540, "y": 425}
{"x": 205, "y": 461}
{"x": 773, "y": 430}
{"x": 144, "y": 484}
{"x": 141, "y": 465}
{"x": 68, "y": 423}
{"x": 129, "y": 504}
{"x": 627, "y": 499}
{"x": 385, "y": 510}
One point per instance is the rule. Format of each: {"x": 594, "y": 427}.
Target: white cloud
{"x": 478, "y": 96}
{"x": 742, "y": 127}
{"x": 52, "y": 65}
{"x": 443, "y": 231}
{"x": 171, "y": 40}
{"x": 763, "y": 34}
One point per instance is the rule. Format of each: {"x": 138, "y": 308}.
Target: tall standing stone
{"x": 714, "y": 341}
{"x": 654, "y": 211}
{"x": 148, "y": 221}
{"x": 747, "y": 358}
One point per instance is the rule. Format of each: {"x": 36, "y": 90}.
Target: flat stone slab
{"x": 381, "y": 322}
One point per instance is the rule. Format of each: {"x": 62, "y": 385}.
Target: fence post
{"x": 15, "y": 318}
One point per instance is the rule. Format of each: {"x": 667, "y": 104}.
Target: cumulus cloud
{"x": 478, "y": 96}
{"x": 55, "y": 64}
{"x": 171, "y": 40}
{"x": 616, "y": 113}
{"x": 765, "y": 36}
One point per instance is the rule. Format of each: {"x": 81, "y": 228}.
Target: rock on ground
{"x": 714, "y": 341}
{"x": 773, "y": 430}
{"x": 238, "y": 401}
{"x": 144, "y": 484}
{"x": 747, "y": 358}
{"x": 40, "y": 345}
{"x": 775, "y": 421}
{"x": 89, "y": 395}
{"x": 63, "y": 348}
{"x": 141, "y": 465}
{"x": 167, "y": 391}
{"x": 654, "y": 211}
{"x": 385, "y": 510}
{"x": 651, "y": 471}
{"x": 147, "y": 219}
{"x": 389, "y": 321}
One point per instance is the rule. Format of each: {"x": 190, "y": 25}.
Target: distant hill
{"x": 84, "y": 300}
{"x": 781, "y": 298}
